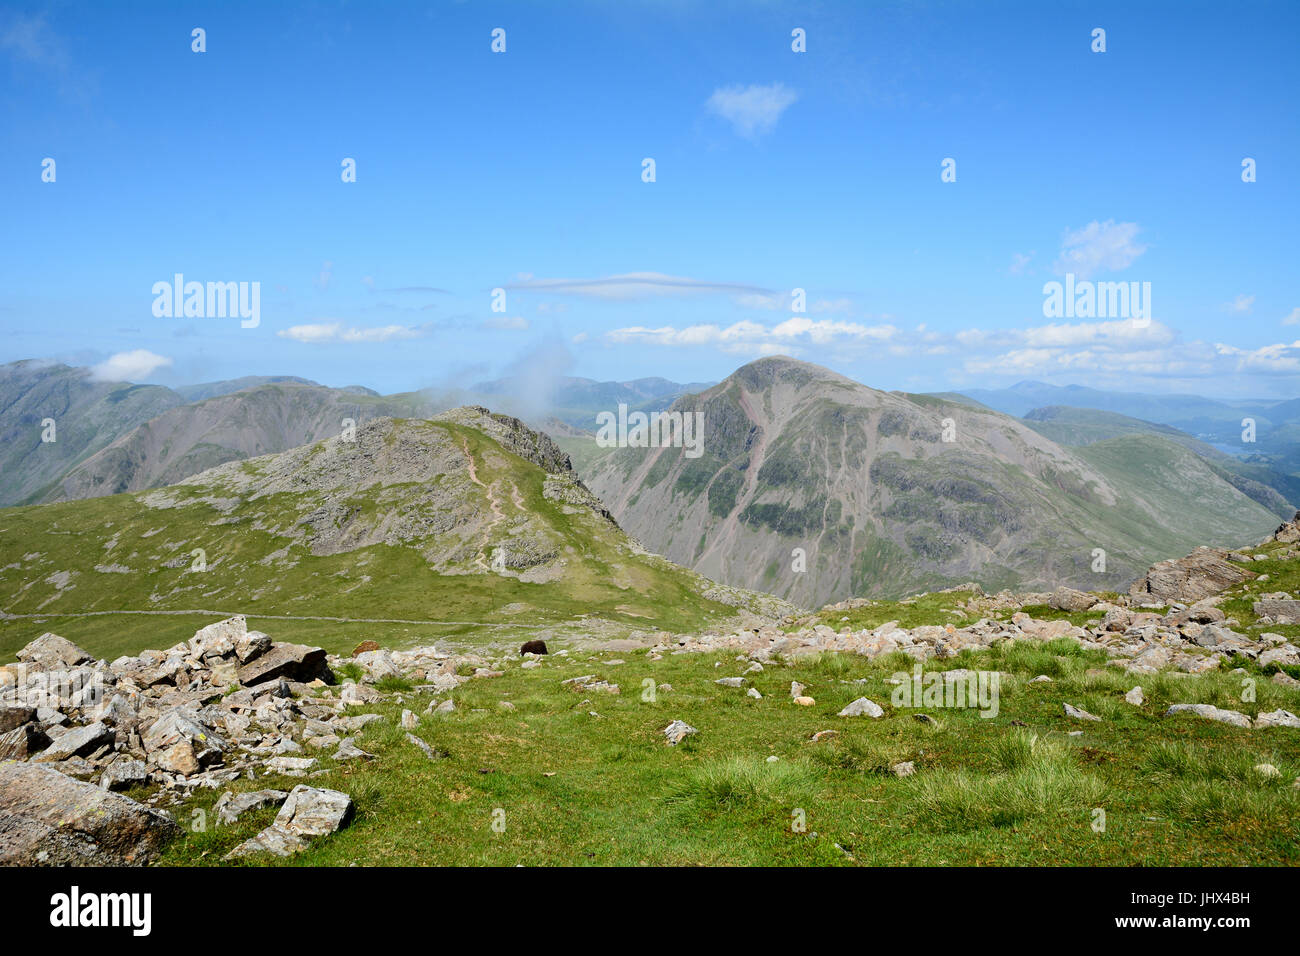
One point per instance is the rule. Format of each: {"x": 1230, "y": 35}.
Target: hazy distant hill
{"x": 577, "y": 401}
{"x": 797, "y": 456}
{"x": 87, "y": 414}
{"x": 1266, "y": 484}
{"x": 196, "y": 393}
{"x": 257, "y": 420}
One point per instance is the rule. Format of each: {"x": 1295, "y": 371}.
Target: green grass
{"x": 577, "y": 788}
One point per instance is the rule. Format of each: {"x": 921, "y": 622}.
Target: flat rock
{"x": 307, "y": 813}
{"x": 78, "y": 742}
{"x": 1203, "y": 573}
{"x": 297, "y": 662}
{"x": 49, "y": 819}
{"x": 1079, "y": 714}
{"x": 1210, "y": 712}
{"x": 51, "y": 652}
{"x": 231, "y": 806}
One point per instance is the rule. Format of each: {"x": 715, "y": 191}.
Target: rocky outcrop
{"x": 1203, "y": 573}
{"x": 49, "y": 819}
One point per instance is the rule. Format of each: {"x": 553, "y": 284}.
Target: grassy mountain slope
{"x": 399, "y": 528}
{"x": 1082, "y": 426}
{"x": 798, "y": 457}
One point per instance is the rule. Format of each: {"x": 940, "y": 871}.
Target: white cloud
{"x": 326, "y": 332}
{"x": 1099, "y": 247}
{"x": 1293, "y": 318}
{"x": 326, "y": 274}
{"x": 1281, "y": 357}
{"x": 751, "y": 110}
{"x": 129, "y": 366}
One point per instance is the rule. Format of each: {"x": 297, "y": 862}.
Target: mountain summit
{"x": 818, "y": 488}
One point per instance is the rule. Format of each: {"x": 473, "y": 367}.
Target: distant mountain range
{"x": 794, "y": 457}
{"x": 113, "y": 437}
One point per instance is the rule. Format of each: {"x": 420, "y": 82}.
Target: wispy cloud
{"x": 30, "y": 39}
{"x": 1293, "y": 318}
{"x": 632, "y": 285}
{"x": 1242, "y": 304}
{"x": 1099, "y": 247}
{"x": 513, "y": 322}
{"x": 317, "y": 333}
{"x": 129, "y": 366}
{"x": 751, "y": 110}
{"x": 754, "y": 337}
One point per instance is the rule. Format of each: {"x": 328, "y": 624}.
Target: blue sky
{"x": 774, "y": 169}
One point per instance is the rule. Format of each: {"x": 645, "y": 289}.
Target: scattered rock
{"x": 1135, "y": 697}
{"x": 1068, "y": 599}
{"x": 124, "y": 773}
{"x": 307, "y": 813}
{"x": 231, "y": 806}
{"x": 1210, "y": 712}
{"x": 903, "y": 769}
{"x": 1079, "y": 714}
{"x": 1277, "y": 718}
{"x": 678, "y": 731}
{"x": 862, "y": 707}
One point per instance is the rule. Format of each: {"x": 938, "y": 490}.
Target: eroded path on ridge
{"x": 494, "y": 503}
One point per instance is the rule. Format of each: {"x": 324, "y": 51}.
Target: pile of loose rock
{"x": 1189, "y": 639}
{"x": 226, "y": 704}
